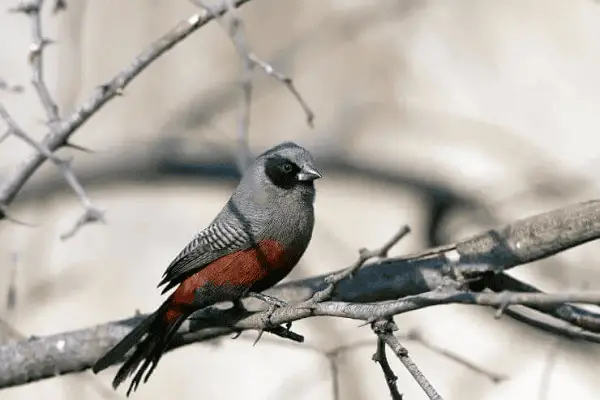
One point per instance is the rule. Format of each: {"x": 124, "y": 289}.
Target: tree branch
{"x": 59, "y": 137}
{"x": 384, "y": 330}
{"x": 36, "y": 58}
{"x": 429, "y": 278}
{"x": 364, "y": 255}
{"x": 91, "y": 214}
{"x": 235, "y": 30}
{"x": 381, "y": 358}
{"x": 577, "y": 316}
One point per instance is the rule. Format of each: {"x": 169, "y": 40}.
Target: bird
{"x": 254, "y": 242}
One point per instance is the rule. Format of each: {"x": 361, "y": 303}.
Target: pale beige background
{"x": 490, "y": 97}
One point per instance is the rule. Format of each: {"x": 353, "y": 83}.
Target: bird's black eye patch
{"x": 281, "y": 171}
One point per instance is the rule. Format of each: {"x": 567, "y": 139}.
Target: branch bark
{"x": 435, "y": 276}
{"x": 385, "y": 333}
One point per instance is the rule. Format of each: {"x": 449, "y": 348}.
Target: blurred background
{"x": 449, "y": 116}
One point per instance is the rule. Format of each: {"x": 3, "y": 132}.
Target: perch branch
{"x": 364, "y": 255}
{"x": 410, "y": 282}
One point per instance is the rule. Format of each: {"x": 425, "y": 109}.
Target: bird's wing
{"x": 215, "y": 241}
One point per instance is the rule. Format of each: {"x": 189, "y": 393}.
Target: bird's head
{"x": 287, "y": 169}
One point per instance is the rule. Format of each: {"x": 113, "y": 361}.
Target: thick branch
{"x": 411, "y": 283}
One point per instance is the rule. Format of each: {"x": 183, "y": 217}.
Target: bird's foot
{"x": 272, "y": 301}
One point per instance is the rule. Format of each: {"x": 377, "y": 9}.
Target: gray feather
{"x": 257, "y": 210}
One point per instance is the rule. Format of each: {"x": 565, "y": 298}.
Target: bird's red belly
{"x": 259, "y": 267}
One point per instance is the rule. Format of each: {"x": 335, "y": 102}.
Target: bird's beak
{"x": 308, "y": 173}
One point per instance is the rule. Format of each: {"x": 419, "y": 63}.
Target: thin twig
{"x": 384, "y": 330}
{"x": 58, "y": 138}
{"x": 416, "y": 336}
{"x": 564, "y": 330}
{"x": 574, "y": 315}
{"x": 33, "y": 10}
{"x": 390, "y": 378}
{"x": 36, "y": 59}
{"x": 91, "y": 213}
{"x": 237, "y": 35}
{"x": 364, "y": 256}
{"x": 235, "y": 30}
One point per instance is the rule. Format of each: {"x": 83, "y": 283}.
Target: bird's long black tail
{"x": 158, "y": 329}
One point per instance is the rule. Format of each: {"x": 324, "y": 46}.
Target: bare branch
{"x": 577, "y": 316}
{"x": 364, "y": 255}
{"x": 384, "y": 331}
{"x": 90, "y": 344}
{"x": 97, "y": 385}
{"x": 563, "y": 330}
{"x": 287, "y": 81}
{"x": 416, "y": 336}
{"x": 36, "y": 58}
{"x": 235, "y": 30}
{"x": 539, "y": 236}
{"x": 381, "y": 358}
{"x": 59, "y": 137}
{"x": 91, "y": 214}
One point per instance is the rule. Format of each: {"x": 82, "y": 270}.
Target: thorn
{"x": 501, "y": 309}
{"x": 260, "y": 333}
{"x": 367, "y": 322}
{"x": 78, "y": 147}
{"x": 4, "y": 215}
{"x": 118, "y": 90}
{"x": 35, "y": 49}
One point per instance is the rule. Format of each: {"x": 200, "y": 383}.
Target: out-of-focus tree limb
{"x": 61, "y": 132}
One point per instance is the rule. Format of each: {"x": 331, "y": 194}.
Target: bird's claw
{"x": 265, "y": 317}
{"x": 273, "y": 301}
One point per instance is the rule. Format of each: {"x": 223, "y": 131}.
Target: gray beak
{"x": 308, "y": 173}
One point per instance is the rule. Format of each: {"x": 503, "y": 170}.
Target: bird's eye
{"x": 287, "y": 168}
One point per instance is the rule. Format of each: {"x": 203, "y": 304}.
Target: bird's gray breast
{"x": 267, "y": 213}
